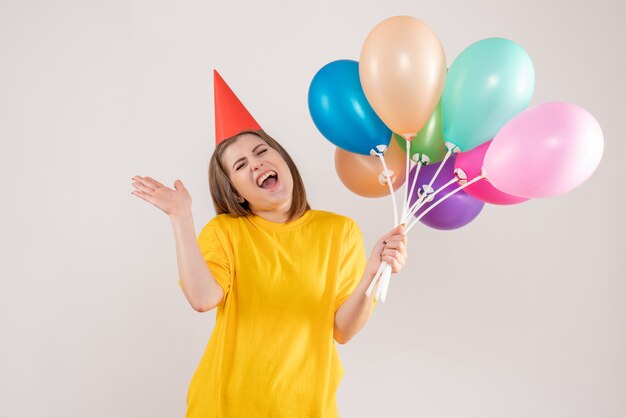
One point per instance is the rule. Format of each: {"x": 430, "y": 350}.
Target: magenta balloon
{"x": 546, "y": 150}
{"x": 471, "y": 162}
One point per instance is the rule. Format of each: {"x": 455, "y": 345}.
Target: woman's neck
{"x": 275, "y": 215}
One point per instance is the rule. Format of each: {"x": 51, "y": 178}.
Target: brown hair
{"x": 224, "y": 195}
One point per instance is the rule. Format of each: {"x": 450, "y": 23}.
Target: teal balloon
{"x": 491, "y": 81}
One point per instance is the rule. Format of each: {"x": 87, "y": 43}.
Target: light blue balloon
{"x": 490, "y": 82}
{"x": 341, "y": 112}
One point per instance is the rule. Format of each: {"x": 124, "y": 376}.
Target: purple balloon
{"x": 457, "y": 210}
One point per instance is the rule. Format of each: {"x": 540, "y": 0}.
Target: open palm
{"x": 173, "y": 202}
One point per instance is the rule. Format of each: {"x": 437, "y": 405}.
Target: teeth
{"x": 261, "y": 179}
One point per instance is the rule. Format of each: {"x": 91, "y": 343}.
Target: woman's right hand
{"x": 174, "y": 202}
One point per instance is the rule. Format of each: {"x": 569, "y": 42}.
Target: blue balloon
{"x": 341, "y": 112}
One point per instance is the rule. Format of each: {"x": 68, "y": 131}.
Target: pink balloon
{"x": 546, "y": 150}
{"x": 471, "y": 162}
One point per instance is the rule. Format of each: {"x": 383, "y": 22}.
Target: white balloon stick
{"x": 443, "y": 162}
{"x": 418, "y": 204}
{"x": 426, "y": 198}
{"x": 385, "y": 282}
{"x": 429, "y": 187}
{"x": 374, "y": 279}
{"x": 393, "y": 196}
{"x": 405, "y": 203}
{"x": 469, "y": 183}
{"x": 417, "y": 172}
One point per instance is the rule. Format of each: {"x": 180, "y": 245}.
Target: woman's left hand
{"x": 390, "y": 248}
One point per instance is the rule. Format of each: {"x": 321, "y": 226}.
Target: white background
{"x": 519, "y": 314}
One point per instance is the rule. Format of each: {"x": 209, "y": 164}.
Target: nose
{"x": 256, "y": 164}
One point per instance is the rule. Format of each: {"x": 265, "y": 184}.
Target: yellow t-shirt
{"x": 272, "y": 353}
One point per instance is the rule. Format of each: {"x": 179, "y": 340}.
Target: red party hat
{"x": 231, "y": 116}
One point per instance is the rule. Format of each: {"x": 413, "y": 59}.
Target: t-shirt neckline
{"x": 278, "y": 226}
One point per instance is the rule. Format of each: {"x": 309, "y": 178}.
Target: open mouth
{"x": 267, "y": 180}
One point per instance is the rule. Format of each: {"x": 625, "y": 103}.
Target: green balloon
{"x": 428, "y": 145}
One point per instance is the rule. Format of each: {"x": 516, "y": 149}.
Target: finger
{"x": 143, "y": 188}
{"x": 400, "y": 251}
{"x": 395, "y": 254}
{"x": 401, "y": 247}
{"x": 143, "y": 196}
{"x": 397, "y": 237}
{"x": 178, "y": 185}
{"x": 398, "y": 244}
{"x": 397, "y": 231}
{"x": 385, "y": 238}
{"x": 145, "y": 183}
{"x": 152, "y": 183}
{"x": 138, "y": 178}
{"x": 391, "y": 252}
{"x": 394, "y": 244}
{"x": 395, "y": 266}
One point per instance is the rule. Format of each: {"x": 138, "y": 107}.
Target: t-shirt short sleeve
{"x": 214, "y": 248}
{"x": 352, "y": 263}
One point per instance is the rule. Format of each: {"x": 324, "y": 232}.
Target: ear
{"x": 240, "y": 199}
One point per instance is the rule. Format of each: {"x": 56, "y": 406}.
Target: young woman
{"x": 286, "y": 281}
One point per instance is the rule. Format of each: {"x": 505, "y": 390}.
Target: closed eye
{"x": 244, "y": 164}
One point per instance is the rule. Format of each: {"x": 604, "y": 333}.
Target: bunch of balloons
{"x": 456, "y": 138}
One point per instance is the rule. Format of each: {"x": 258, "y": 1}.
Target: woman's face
{"x": 259, "y": 174}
